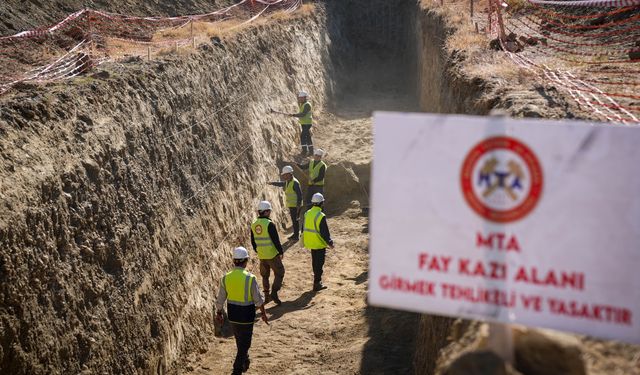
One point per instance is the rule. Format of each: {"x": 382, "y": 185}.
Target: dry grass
{"x": 199, "y": 32}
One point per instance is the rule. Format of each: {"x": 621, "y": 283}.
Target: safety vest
{"x": 290, "y": 193}
{"x": 308, "y": 118}
{"x": 260, "y": 229}
{"x": 311, "y": 236}
{"x": 314, "y": 171}
{"x": 240, "y": 305}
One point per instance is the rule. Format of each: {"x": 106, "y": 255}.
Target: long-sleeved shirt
{"x": 273, "y": 234}
{"x": 324, "y": 231}
{"x": 296, "y": 188}
{"x": 222, "y": 295}
{"x": 305, "y": 110}
{"x": 321, "y": 172}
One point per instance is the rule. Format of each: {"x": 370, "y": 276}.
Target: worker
{"x": 240, "y": 289}
{"x": 266, "y": 242}
{"x": 316, "y": 238}
{"x": 293, "y": 196}
{"x": 317, "y": 170}
{"x": 305, "y": 118}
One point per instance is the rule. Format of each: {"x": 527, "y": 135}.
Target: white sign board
{"x": 524, "y": 221}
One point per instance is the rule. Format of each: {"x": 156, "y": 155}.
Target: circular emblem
{"x": 501, "y": 179}
{"x": 259, "y": 229}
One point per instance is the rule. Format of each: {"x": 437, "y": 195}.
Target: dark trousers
{"x": 312, "y": 189}
{"x": 243, "y": 334}
{"x": 305, "y": 139}
{"x": 317, "y": 262}
{"x": 293, "y": 211}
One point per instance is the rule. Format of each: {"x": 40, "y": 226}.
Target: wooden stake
{"x": 471, "y": 8}
{"x": 149, "y": 52}
{"x": 500, "y": 24}
{"x": 489, "y": 19}
{"x": 477, "y": 31}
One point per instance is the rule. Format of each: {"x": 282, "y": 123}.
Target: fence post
{"x": 471, "y": 8}
{"x": 500, "y": 24}
{"x": 193, "y": 38}
{"x": 148, "y": 52}
{"x": 489, "y": 17}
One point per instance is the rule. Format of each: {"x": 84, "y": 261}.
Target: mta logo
{"x": 493, "y": 179}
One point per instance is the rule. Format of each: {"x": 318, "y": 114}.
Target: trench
{"x": 111, "y": 258}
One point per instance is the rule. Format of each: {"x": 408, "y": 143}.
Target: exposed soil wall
{"x": 123, "y": 193}
{"x": 442, "y": 88}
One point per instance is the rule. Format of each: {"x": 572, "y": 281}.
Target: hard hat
{"x": 287, "y": 169}
{"x": 240, "y": 253}
{"x": 264, "y": 206}
{"x": 303, "y": 94}
{"x": 319, "y": 152}
{"x": 317, "y": 198}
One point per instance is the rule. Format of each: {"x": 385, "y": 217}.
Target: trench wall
{"x": 122, "y": 194}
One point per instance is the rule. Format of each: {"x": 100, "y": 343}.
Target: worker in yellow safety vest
{"x": 293, "y": 196}
{"x": 240, "y": 289}
{"x": 316, "y": 238}
{"x": 266, "y": 242}
{"x": 305, "y": 118}
{"x": 317, "y": 170}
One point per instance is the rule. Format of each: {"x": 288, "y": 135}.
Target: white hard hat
{"x": 317, "y": 198}
{"x": 303, "y": 94}
{"x": 264, "y": 206}
{"x": 240, "y": 253}
{"x": 319, "y": 152}
{"x": 287, "y": 169}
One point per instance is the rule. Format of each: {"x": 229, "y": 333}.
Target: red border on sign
{"x": 466, "y": 179}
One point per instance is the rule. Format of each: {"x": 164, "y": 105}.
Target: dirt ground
{"x": 332, "y": 331}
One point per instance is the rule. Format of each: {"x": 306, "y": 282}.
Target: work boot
{"x": 294, "y": 237}
{"x": 267, "y": 298}
{"x": 318, "y": 287}
{"x": 245, "y": 367}
{"x": 310, "y": 150}
{"x": 274, "y": 297}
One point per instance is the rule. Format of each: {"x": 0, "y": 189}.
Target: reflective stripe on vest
{"x": 237, "y": 283}
{"x": 308, "y": 118}
{"x": 311, "y": 236}
{"x": 266, "y": 248}
{"x": 290, "y": 193}
{"x": 314, "y": 171}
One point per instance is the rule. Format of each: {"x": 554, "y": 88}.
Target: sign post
{"x": 510, "y": 221}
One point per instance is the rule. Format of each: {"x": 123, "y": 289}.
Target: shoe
{"x": 245, "y": 367}
{"x": 294, "y": 237}
{"x": 267, "y": 297}
{"x": 318, "y": 286}
{"x": 274, "y": 297}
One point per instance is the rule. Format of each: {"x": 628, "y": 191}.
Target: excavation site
{"x": 138, "y": 138}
